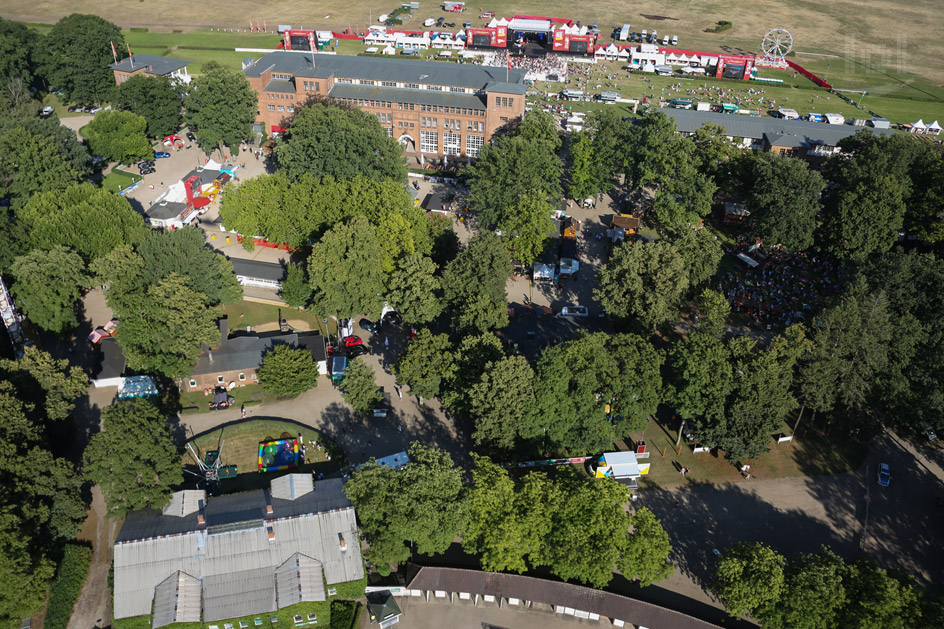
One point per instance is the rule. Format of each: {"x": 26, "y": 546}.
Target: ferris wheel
{"x": 776, "y": 44}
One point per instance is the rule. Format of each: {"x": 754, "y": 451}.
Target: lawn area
{"x": 118, "y": 180}
{"x": 281, "y": 619}
{"x": 252, "y": 314}
{"x": 811, "y": 453}
{"x": 248, "y": 395}
{"x": 241, "y": 448}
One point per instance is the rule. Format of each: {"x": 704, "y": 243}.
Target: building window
{"x": 452, "y": 143}
{"x": 219, "y": 379}
{"x": 317, "y": 86}
{"x": 366, "y": 82}
{"x": 437, "y": 88}
{"x": 413, "y": 86}
{"x": 503, "y": 119}
{"x": 429, "y": 141}
{"x": 242, "y": 377}
{"x": 389, "y": 132}
{"x": 193, "y": 383}
{"x": 350, "y": 81}
{"x": 271, "y": 107}
{"x": 460, "y": 90}
{"x": 473, "y": 144}
{"x": 388, "y": 83}
{"x": 290, "y": 109}
{"x": 281, "y": 108}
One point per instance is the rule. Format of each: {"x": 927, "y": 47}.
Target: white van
{"x": 429, "y": 22}
{"x": 665, "y": 40}
{"x": 383, "y": 18}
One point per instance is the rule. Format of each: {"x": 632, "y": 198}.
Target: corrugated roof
{"x": 555, "y": 594}
{"x": 380, "y": 69}
{"x": 402, "y": 95}
{"x": 183, "y": 503}
{"x": 308, "y": 525}
{"x": 236, "y": 594}
{"x": 177, "y": 599}
{"x": 754, "y": 127}
{"x": 271, "y": 271}
{"x": 151, "y": 63}
{"x": 292, "y": 486}
{"x": 299, "y": 579}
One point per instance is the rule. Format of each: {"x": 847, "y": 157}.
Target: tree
{"x": 427, "y": 363}
{"x": 612, "y": 134}
{"x": 465, "y": 367}
{"x": 13, "y": 239}
{"x": 646, "y": 556}
{"x": 527, "y": 228}
{"x": 865, "y": 218}
{"x": 295, "y": 289}
{"x": 423, "y": 505}
{"x": 701, "y": 251}
{"x": 540, "y": 127}
{"x": 748, "y": 577}
{"x": 474, "y": 284}
{"x": 344, "y": 270}
{"x": 48, "y": 285}
{"x": 505, "y": 171}
{"x": 414, "y": 290}
{"x": 926, "y": 203}
{"x": 50, "y": 385}
{"x": 25, "y": 573}
{"x": 645, "y": 281}
{"x": 877, "y": 598}
{"x": 685, "y": 196}
{"x": 164, "y": 329}
{"x": 585, "y": 174}
{"x": 701, "y": 375}
{"x": 19, "y": 46}
{"x": 118, "y": 136}
{"x": 76, "y": 56}
{"x": 220, "y": 107}
{"x": 501, "y": 403}
{"x": 133, "y": 459}
{"x": 783, "y": 196}
{"x": 184, "y": 252}
{"x": 31, "y": 163}
{"x": 154, "y": 98}
{"x": 89, "y": 220}
{"x": 359, "y": 386}
{"x": 715, "y": 150}
{"x": 715, "y": 309}
{"x": 287, "y": 371}
{"x": 813, "y": 594}
{"x": 330, "y": 139}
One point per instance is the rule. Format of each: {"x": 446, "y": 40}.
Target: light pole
{"x": 826, "y": 78}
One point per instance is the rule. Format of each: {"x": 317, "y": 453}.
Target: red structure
{"x": 496, "y": 37}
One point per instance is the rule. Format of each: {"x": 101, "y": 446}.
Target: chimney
{"x": 341, "y": 542}
{"x": 201, "y": 521}
{"x": 271, "y": 533}
{"x": 269, "y": 511}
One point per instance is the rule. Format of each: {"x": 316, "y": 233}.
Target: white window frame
{"x": 474, "y": 144}
{"x": 219, "y": 379}
{"x": 429, "y": 141}
{"x": 452, "y": 144}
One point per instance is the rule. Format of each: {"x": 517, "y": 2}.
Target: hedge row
{"x": 342, "y": 614}
{"x": 721, "y": 25}
{"x": 66, "y": 586}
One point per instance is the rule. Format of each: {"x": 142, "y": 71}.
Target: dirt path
{"x": 93, "y": 607}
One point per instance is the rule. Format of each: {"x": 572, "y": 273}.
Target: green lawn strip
{"x": 350, "y": 590}
{"x": 250, "y": 313}
{"x": 811, "y": 453}
{"x": 118, "y": 180}
{"x": 198, "y": 402}
{"x": 203, "y": 38}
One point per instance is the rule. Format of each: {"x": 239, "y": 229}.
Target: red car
{"x": 351, "y": 341}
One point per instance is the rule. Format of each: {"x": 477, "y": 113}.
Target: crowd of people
{"x": 783, "y": 289}
{"x": 547, "y": 68}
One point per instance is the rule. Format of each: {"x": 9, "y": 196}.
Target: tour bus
{"x": 572, "y": 94}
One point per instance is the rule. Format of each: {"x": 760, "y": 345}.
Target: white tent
{"x": 649, "y": 67}
{"x": 389, "y": 50}
{"x": 683, "y": 58}
{"x": 599, "y": 52}
{"x": 671, "y": 58}
{"x": 934, "y": 128}
{"x": 919, "y": 127}
{"x": 612, "y": 52}
{"x": 623, "y": 55}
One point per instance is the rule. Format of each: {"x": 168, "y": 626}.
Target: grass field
{"x": 241, "y": 448}
{"x": 249, "y": 313}
{"x": 118, "y": 180}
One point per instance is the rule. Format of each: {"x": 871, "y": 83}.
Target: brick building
{"x": 431, "y": 108}
{"x": 175, "y": 69}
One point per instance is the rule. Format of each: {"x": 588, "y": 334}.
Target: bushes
{"x": 342, "y": 614}
{"x": 65, "y": 587}
{"x": 143, "y": 30}
{"x": 720, "y": 26}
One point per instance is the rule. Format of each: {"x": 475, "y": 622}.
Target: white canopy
{"x": 612, "y": 49}
{"x": 623, "y": 54}
{"x": 919, "y": 125}
{"x": 371, "y": 50}
{"x": 934, "y": 125}
{"x": 389, "y": 50}
{"x": 599, "y": 52}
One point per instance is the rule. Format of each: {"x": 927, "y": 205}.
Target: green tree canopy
{"x": 783, "y": 197}
{"x": 118, "y": 136}
{"x": 48, "y": 285}
{"x": 133, "y": 459}
{"x": 584, "y": 172}
{"x": 164, "y": 329}
{"x": 527, "y": 228}
{"x": 288, "y": 371}
{"x": 701, "y": 251}
{"x": 19, "y": 46}
{"x": 465, "y": 367}
{"x": 474, "y": 284}
{"x": 415, "y": 290}
{"x": 715, "y": 309}
{"x": 715, "y": 151}
{"x": 48, "y": 384}
{"x": 540, "y": 127}
{"x": 344, "y": 270}
{"x": 359, "y": 386}
{"x": 154, "y": 98}
{"x": 76, "y": 55}
{"x": 327, "y": 138}
{"x": 220, "y": 107}
{"x": 748, "y": 577}
{"x": 89, "y": 220}
{"x": 427, "y": 363}
{"x": 814, "y": 592}
{"x": 502, "y": 403}
{"x": 507, "y": 170}
{"x": 702, "y": 376}
{"x": 25, "y": 573}
{"x": 645, "y": 281}
{"x": 295, "y": 288}
{"x": 421, "y": 506}
{"x": 32, "y": 163}
{"x": 646, "y": 556}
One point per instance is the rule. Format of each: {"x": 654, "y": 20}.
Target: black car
{"x": 147, "y": 171}
{"x": 369, "y": 326}
{"x": 352, "y": 352}
{"x": 145, "y": 163}
{"x": 191, "y": 136}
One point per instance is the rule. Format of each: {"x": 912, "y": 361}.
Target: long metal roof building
{"x": 236, "y": 555}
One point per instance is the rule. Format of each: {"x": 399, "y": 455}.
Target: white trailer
{"x": 619, "y": 466}
{"x": 835, "y": 118}
{"x": 624, "y": 33}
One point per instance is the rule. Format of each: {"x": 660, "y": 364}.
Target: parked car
{"x": 674, "y": 40}
{"x": 95, "y": 110}
{"x": 161, "y": 155}
{"x": 574, "y": 311}
{"x": 146, "y": 164}
{"x": 884, "y": 475}
{"x": 930, "y": 434}
{"x": 147, "y": 171}
{"x": 369, "y": 326}
{"x": 191, "y": 136}
{"x": 48, "y": 111}
{"x": 353, "y": 352}
{"x": 392, "y": 318}
{"x": 351, "y": 341}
